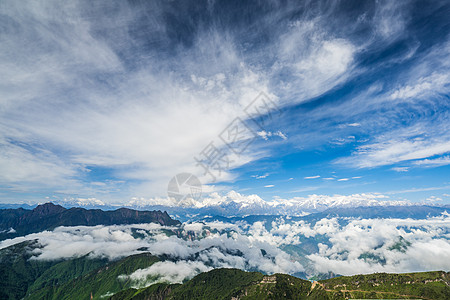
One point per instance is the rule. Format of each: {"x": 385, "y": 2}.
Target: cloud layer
{"x": 114, "y": 99}
{"x": 345, "y": 246}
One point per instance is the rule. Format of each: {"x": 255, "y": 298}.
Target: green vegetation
{"x": 372, "y": 258}
{"x": 216, "y": 284}
{"x": 21, "y": 276}
{"x": 99, "y": 283}
{"x": 236, "y": 284}
{"x": 65, "y": 271}
{"x": 425, "y": 285}
{"x": 17, "y": 272}
{"x": 401, "y": 245}
{"x": 84, "y": 277}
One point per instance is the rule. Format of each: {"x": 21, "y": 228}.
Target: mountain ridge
{"x": 17, "y": 222}
{"x": 237, "y": 284}
{"x": 84, "y": 277}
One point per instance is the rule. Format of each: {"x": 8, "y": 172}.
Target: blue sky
{"x": 111, "y": 100}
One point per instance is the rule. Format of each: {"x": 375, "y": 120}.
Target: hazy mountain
{"x": 401, "y": 212}
{"x": 368, "y": 212}
{"x": 17, "y": 222}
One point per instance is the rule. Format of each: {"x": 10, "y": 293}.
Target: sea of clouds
{"x": 343, "y": 246}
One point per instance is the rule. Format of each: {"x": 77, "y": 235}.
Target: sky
{"x": 110, "y": 100}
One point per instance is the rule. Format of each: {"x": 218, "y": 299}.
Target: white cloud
{"x": 436, "y": 162}
{"x": 312, "y": 177}
{"x": 260, "y": 176}
{"x": 165, "y": 271}
{"x": 400, "y": 169}
{"x": 92, "y": 100}
{"x": 418, "y": 92}
{"x": 425, "y": 252}
{"x": 202, "y": 246}
{"x": 266, "y": 134}
{"x": 415, "y": 190}
{"x": 404, "y": 145}
{"x": 318, "y": 61}
{"x": 423, "y": 87}
{"x": 390, "y": 19}
{"x": 145, "y": 124}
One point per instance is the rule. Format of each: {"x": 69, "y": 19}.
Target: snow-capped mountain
{"x": 235, "y": 204}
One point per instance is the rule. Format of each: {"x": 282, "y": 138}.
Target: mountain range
{"x": 18, "y": 222}
{"x": 234, "y": 204}
{"x": 96, "y": 278}
{"x": 25, "y": 275}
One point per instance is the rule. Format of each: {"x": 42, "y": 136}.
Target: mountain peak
{"x": 48, "y": 209}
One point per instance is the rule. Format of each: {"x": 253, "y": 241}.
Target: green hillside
{"x": 17, "y": 272}
{"x": 236, "y": 284}
{"x": 424, "y": 285}
{"x": 84, "y": 277}
{"x": 98, "y": 283}
{"x": 22, "y": 277}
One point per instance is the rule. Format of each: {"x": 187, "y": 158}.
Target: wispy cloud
{"x": 436, "y": 162}
{"x": 266, "y": 134}
{"x": 97, "y": 95}
{"x": 261, "y": 176}
{"x": 400, "y": 169}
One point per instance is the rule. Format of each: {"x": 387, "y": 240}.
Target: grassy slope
{"x": 229, "y": 283}
{"x": 216, "y": 284}
{"x": 426, "y": 285}
{"x": 65, "y": 271}
{"x": 99, "y": 282}
{"x": 17, "y": 272}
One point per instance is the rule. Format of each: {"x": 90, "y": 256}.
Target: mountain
{"x": 237, "y": 284}
{"x": 234, "y": 204}
{"x": 15, "y": 205}
{"x": 365, "y": 212}
{"x": 23, "y": 276}
{"x": 98, "y": 283}
{"x": 18, "y": 222}
{"x": 19, "y": 273}
{"x": 97, "y": 278}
